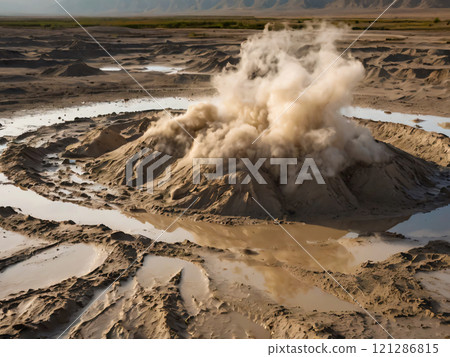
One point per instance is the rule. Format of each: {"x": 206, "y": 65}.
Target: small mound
{"x": 445, "y": 125}
{"x": 248, "y": 122}
{"x": 81, "y": 46}
{"x": 438, "y": 76}
{"x": 377, "y": 72}
{"x": 398, "y": 57}
{"x": 432, "y": 76}
{"x": 389, "y": 188}
{"x": 429, "y": 146}
{"x": 96, "y": 144}
{"x": 10, "y": 54}
{"x": 79, "y": 69}
{"x": 216, "y": 65}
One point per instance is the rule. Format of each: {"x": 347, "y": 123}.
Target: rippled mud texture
{"x": 253, "y": 279}
{"x": 211, "y": 275}
{"x": 150, "y": 303}
{"x": 363, "y": 177}
{"x": 406, "y": 71}
{"x": 409, "y": 182}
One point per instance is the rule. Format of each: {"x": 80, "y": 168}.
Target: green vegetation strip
{"x": 245, "y": 23}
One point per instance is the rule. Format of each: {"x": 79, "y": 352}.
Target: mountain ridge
{"x": 212, "y": 7}
{"x": 179, "y": 6}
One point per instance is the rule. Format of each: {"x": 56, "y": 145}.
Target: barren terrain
{"x": 225, "y": 269}
{"x": 405, "y": 71}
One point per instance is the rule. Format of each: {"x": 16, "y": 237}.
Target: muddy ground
{"x": 209, "y": 275}
{"x": 294, "y": 299}
{"x": 406, "y": 71}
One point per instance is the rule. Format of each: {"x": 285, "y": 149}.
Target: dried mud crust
{"x": 429, "y": 146}
{"x": 61, "y": 74}
{"x": 388, "y": 289}
{"x": 405, "y": 71}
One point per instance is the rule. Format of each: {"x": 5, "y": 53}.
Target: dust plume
{"x": 274, "y": 68}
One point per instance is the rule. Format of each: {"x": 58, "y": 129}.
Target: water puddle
{"x": 194, "y": 290}
{"x": 93, "y": 186}
{"x": 162, "y": 69}
{"x": 27, "y": 121}
{"x": 434, "y": 224}
{"x": 281, "y": 286}
{"x": 4, "y": 179}
{"x": 149, "y": 68}
{"x": 193, "y": 285}
{"x": 419, "y": 229}
{"x": 375, "y": 249}
{"x": 333, "y": 248}
{"x": 110, "y": 69}
{"x": 50, "y": 267}
{"x": 268, "y": 241}
{"x": 12, "y": 243}
{"x": 40, "y": 207}
{"x": 426, "y": 122}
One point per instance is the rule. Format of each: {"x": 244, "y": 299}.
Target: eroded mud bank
{"x": 252, "y": 278}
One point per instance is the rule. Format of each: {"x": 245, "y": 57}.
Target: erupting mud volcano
{"x": 282, "y": 100}
{"x": 118, "y": 222}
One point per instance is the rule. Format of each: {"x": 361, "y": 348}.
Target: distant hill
{"x": 257, "y": 6}
{"x": 212, "y": 7}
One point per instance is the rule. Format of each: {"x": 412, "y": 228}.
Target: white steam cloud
{"x": 275, "y": 67}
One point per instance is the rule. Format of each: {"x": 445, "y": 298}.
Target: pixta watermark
{"x": 149, "y": 169}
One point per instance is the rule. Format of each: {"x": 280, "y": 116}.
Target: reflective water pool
{"x": 426, "y": 122}
{"x": 50, "y": 267}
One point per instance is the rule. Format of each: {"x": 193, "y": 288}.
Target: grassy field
{"x": 223, "y": 23}
{"x": 140, "y": 23}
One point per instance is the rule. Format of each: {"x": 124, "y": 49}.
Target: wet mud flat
{"x": 209, "y": 276}
{"x": 83, "y": 255}
{"x": 181, "y": 290}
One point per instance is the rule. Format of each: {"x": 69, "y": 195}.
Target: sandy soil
{"x": 112, "y": 140}
{"x": 139, "y": 306}
{"x": 136, "y": 309}
{"x": 229, "y": 272}
{"x": 405, "y": 71}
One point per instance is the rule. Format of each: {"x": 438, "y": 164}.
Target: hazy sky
{"x": 49, "y": 7}
{"x": 87, "y": 7}
{"x": 12, "y": 7}
{"x": 124, "y": 7}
